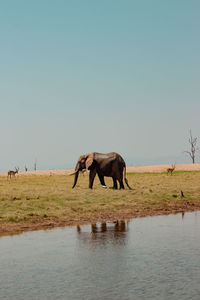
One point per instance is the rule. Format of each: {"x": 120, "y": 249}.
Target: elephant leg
{"x": 91, "y": 178}
{"x": 114, "y": 183}
{"x": 101, "y": 178}
{"x": 121, "y": 185}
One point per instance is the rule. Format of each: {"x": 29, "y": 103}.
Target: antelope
{"x": 171, "y": 170}
{"x": 12, "y": 173}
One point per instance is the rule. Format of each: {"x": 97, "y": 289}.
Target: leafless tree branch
{"x": 193, "y": 147}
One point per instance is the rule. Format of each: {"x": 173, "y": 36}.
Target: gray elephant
{"x": 109, "y": 165}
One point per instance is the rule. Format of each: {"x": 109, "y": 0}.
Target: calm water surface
{"x": 147, "y": 258}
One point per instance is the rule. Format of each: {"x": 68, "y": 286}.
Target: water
{"x": 147, "y": 258}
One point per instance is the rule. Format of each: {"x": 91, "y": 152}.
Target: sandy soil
{"x": 129, "y": 169}
{"x": 163, "y": 168}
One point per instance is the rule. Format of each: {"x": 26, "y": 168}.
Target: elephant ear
{"x": 89, "y": 161}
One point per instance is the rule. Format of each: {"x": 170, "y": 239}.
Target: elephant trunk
{"x": 75, "y": 178}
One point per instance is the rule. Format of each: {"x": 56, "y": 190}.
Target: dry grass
{"x": 33, "y": 202}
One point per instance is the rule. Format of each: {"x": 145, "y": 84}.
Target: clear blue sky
{"x": 111, "y": 75}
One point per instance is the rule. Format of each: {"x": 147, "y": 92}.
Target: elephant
{"x": 109, "y": 165}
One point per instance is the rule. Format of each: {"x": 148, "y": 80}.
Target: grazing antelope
{"x": 12, "y": 173}
{"x": 171, "y": 170}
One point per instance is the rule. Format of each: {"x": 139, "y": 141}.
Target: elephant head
{"x": 84, "y": 163}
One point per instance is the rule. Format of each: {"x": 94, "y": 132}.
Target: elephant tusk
{"x": 72, "y": 173}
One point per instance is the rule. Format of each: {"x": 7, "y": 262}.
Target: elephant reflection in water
{"x": 119, "y": 226}
{"x": 105, "y": 232}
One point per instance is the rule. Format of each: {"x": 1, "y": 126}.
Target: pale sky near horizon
{"x": 82, "y": 76}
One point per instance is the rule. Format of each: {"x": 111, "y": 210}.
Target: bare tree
{"x": 35, "y": 165}
{"x": 193, "y": 147}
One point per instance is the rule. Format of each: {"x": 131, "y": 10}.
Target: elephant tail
{"x": 125, "y": 179}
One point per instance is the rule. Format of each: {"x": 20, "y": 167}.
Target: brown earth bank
{"x": 51, "y": 223}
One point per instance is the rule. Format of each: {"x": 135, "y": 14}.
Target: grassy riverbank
{"x": 36, "y": 202}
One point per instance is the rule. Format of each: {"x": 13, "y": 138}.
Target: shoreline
{"x": 31, "y": 202}
{"x": 50, "y": 224}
